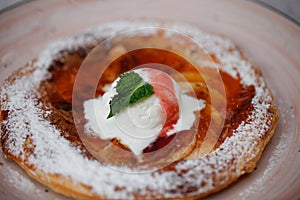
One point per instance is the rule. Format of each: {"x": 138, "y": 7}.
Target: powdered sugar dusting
{"x": 20, "y": 182}
{"x": 54, "y": 154}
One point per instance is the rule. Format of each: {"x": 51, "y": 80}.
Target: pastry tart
{"x": 45, "y": 129}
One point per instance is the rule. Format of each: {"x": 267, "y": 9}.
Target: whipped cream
{"x": 166, "y": 112}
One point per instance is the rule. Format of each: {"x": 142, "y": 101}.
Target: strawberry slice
{"x": 163, "y": 88}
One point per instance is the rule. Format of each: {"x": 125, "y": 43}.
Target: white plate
{"x": 268, "y": 39}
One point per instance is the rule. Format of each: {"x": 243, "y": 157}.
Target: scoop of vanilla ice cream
{"x": 139, "y": 125}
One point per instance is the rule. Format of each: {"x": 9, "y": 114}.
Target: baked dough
{"x": 39, "y": 134}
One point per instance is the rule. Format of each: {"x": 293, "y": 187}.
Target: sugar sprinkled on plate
{"x": 26, "y": 119}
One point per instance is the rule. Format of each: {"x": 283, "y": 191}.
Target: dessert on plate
{"x": 137, "y": 109}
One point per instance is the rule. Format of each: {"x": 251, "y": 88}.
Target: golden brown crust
{"x": 54, "y": 95}
{"x": 57, "y": 183}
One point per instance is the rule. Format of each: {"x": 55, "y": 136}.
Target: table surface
{"x": 288, "y": 8}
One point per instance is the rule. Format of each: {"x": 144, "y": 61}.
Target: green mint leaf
{"x": 128, "y": 82}
{"x": 143, "y": 91}
{"x": 131, "y": 88}
{"x": 117, "y": 104}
